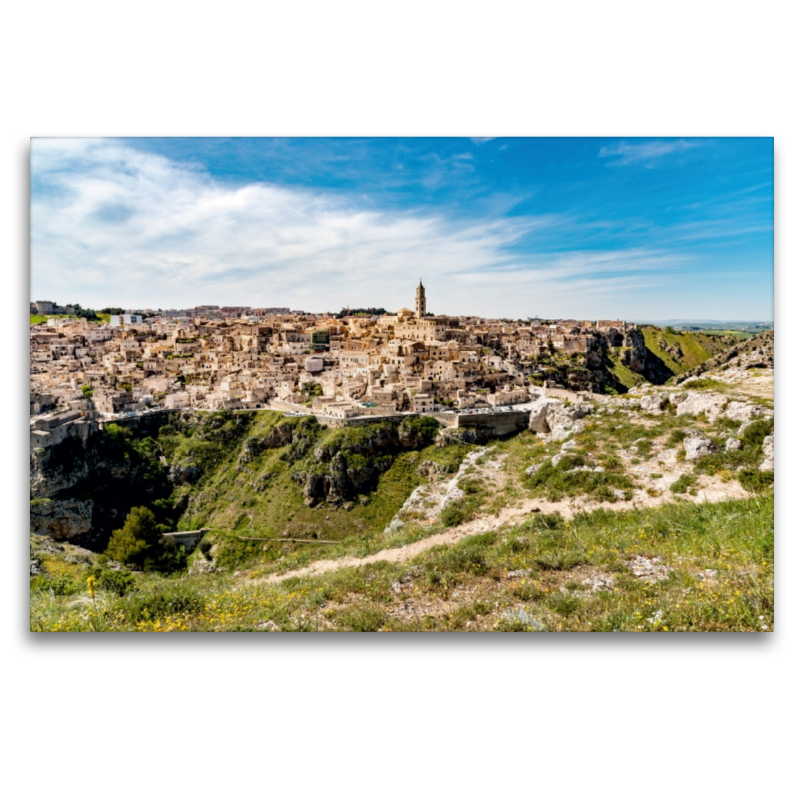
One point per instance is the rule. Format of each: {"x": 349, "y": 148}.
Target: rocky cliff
{"x": 177, "y": 463}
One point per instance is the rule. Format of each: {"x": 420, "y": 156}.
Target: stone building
{"x": 420, "y": 304}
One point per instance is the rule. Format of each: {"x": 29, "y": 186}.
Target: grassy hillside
{"x": 681, "y": 567}
{"x": 545, "y": 534}
{"x": 623, "y": 375}
{"x": 683, "y": 350}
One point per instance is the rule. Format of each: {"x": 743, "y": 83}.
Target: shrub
{"x": 60, "y": 585}
{"x": 120, "y": 582}
{"x": 756, "y": 431}
{"x": 683, "y": 484}
{"x": 453, "y": 515}
{"x": 558, "y": 481}
{"x": 754, "y": 480}
{"x": 166, "y": 599}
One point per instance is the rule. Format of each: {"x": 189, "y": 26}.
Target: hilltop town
{"x": 337, "y": 367}
{"x": 250, "y": 438}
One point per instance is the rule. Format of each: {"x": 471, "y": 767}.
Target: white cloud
{"x": 116, "y": 226}
{"x": 647, "y": 152}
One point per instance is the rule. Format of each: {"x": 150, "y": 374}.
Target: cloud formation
{"x": 646, "y": 153}
{"x": 117, "y": 225}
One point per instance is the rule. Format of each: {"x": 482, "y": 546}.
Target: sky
{"x": 589, "y": 228}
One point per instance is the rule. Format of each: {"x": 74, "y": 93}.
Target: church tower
{"x": 420, "y": 307}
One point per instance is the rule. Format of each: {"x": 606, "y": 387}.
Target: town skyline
{"x": 505, "y": 228}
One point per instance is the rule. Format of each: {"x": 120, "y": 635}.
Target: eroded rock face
{"x": 184, "y": 473}
{"x": 556, "y": 419}
{"x": 463, "y": 436}
{"x": 62, "y": 520}
{"x": 697, "y": 445}
{"x": 537, "y": 422}
{"x": 52, "y": 472}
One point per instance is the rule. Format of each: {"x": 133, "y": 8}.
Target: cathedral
{"x": 420, "y": 307}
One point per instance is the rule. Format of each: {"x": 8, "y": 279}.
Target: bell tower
{"x": 420, "y": 305}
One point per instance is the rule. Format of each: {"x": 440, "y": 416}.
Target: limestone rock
{"x": 697, "y": 403}
{"x": 599, "y": 583}
{"x": 697, "y": 445}
{"x": 768, "y": 448}
{"x": 744, "y": 412}
{"x": 538, "y": 419}
{"x": 649, "y": 569}
{"x": 732, "y": 444}
{"x": 555, "y": 418}
{"x": 652, "y": 404}
{"x": 62, "y": 520}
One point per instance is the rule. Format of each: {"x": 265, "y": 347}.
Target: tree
{"x": 136, "y": 539}
{"x": 669, "y": 329}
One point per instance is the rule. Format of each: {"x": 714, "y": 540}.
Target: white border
{"x": 617, "y": 716}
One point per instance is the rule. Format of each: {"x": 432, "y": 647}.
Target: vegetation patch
{"x": 568, "y": 478}
{"x": 717, "y": 575}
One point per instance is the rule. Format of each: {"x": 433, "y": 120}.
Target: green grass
{"x": 557, "y": 482}
{"x": 261, "y": 499}
{"x": 684, "y": 484}
{"x": 696, "y": 347}
{"x": 705, "y": 383}
{"x": 465, "y": 586}
{"x": 626, "y": 376}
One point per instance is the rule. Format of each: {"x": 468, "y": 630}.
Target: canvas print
{"x": 401, "y": 384}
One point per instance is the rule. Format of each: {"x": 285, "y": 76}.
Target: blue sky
{"x": 513, "y": 227}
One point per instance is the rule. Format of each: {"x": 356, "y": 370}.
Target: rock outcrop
{"x": 62, "y": 520}
{"x": 745, "y": 412}
{"x": 652, "y": 404}
{"x": 697, "y": 445}
{"x": 695, "y": 403}
{"x": 768, "y": 448}
{"x": 556, "y": 419}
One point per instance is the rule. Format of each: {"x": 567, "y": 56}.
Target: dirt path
{"x": 515, "y": 514}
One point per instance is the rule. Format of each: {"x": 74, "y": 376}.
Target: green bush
{"x": 756, "y": 431}
{"x": 139, "y": 534}
{"x": 683, "y": 484}
{"x": 120, "y": 582}
{"x": 453, "y": 515}
{"x": 558, "y": 481}
{"x": 163, "y": 600}
{"x": 58, "y": 586}
{"x": 754, "y": 480}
